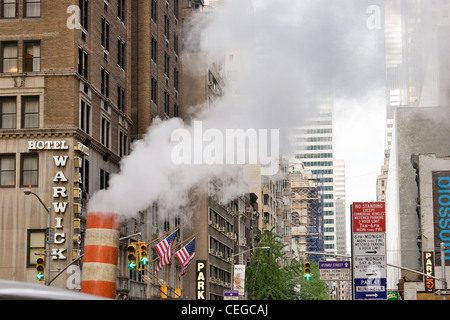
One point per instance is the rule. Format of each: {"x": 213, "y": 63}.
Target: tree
{"x": 269, "y": 275}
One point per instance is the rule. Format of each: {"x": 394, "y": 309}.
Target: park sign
{"x": 369, "y": 251}
{"x": 334, "y": 271}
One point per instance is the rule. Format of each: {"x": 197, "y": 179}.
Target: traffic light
{"x": 132, "y": 259}
{"x": 307, "y": 273}
{"x": 40, "y": 267}
{"x": 143, "y": 253}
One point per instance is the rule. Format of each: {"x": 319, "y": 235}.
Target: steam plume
{"x": 284, "y": 53}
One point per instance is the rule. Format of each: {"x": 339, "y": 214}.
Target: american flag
{"x": 185, "y": 256}
{"x": 164, "y": 249}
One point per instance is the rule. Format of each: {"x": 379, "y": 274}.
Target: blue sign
{"x": 370, "y": 289}
{"x": 230, "y": 293}
{"x": 334, "y": 265}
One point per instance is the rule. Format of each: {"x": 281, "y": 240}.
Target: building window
{"x": 121, "y": 7}
{"x": 154, "y": 11}
{"x": 7, "y": 170}
{"x": 166, "y": 26}
{"x": 154, "y": 48}
{"x": 9, "y": 8}
{"x": 36, "y": 243}
{"x": 166, "y": 64}
{"x": 30, "y": 170}
{"x": 120, "y": 98}
{"x": 104, "y": 179}
{"x": 32, "y": 8}
{"x": 32, "y": 56}
{"x": 84, "y": 9}
{"x": 105, "y": 34}
{"x": 154, "y": 86}
{"x": 30, "y": 112}
{"x": 105, "y": 82}
{"x": 166, "y": 102}
{"x": 121, "y": 53}
{"x": 9, "y": 57}
{"x": 106, "y": 127}
{"x": 175, "y": 78}
{"x": 8, "y": 112}
{"x": 85, "y": 117}
{"x": 82, "y": 63}
{"x": 123, "y": 144}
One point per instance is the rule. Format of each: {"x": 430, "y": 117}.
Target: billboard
{"x": 441, "y": 213}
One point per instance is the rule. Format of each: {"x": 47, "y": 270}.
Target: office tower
{"x": 313, "y": 143}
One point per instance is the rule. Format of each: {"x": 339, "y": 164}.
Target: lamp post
{"x": 47, "y": 235}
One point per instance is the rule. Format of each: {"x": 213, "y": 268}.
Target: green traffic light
{"x": 308, "y": 276}
{"x": 132, "y": 265}
{"x": 39, "y": 275}
{"x": 144, "y": 261}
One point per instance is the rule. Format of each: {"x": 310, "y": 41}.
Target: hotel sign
{"x": 61, "y": 195}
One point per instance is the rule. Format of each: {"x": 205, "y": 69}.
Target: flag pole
{"x": 180, "y": 244}
{"x": 156, "y": 239}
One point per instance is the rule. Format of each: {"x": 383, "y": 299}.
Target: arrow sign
{"x": 39, "y": 276}
{"x": 132, "y": 265}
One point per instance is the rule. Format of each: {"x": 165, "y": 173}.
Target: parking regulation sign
{"x": 369, "y": 251}
{"x": 334, "y": 271}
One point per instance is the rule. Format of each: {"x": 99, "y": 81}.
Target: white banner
{"x": 239, "y": 279}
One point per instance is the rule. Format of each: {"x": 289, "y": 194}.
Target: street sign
{"x": 370, "y": 289}
{"x": 369, "y": 217}
{"x": 334, "y": 271}
{"x": 369, "y": 244}
{"x": 369, "y": 251}
{"x": 230, "y": 294}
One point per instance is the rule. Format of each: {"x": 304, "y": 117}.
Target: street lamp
{"x": 234, "y": 255}
{"x": 47, "y": 235}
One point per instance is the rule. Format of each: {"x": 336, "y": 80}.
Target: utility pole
{"x": 443, "y": 276}
{"x": 444, "y": 279}
{"x": 48, "y": 254}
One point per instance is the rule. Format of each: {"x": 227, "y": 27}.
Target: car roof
{"x": 12, "y": 290}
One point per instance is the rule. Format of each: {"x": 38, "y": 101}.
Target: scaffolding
{"x": 307, "y": 221}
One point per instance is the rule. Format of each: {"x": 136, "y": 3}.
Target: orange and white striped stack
{"x": 100, "y": 254}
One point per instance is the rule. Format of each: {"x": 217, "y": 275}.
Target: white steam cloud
{"x": 283, "y": 52}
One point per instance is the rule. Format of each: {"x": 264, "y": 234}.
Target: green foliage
{"x": 271, "y": 277}
{"x": 265, "y": 278}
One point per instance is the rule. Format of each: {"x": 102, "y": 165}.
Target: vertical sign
{"x": 201, "y": 280}
{"x": 441, "y": 213}
{"x": 369, "y": 251}
{"x": 239, "y": 279}
{"x": 428, "y": 261}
